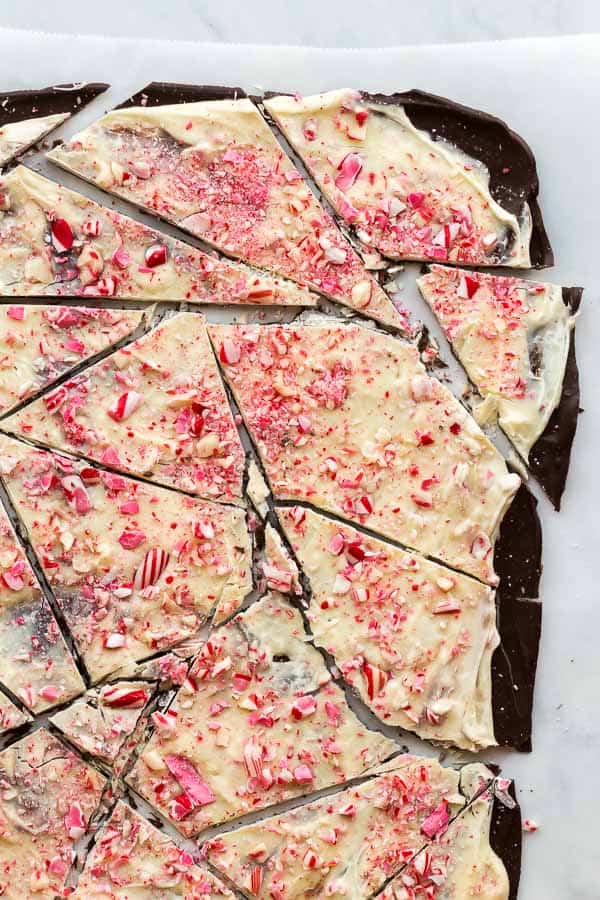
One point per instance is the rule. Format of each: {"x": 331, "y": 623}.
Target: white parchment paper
{"x": 549, "y": 91}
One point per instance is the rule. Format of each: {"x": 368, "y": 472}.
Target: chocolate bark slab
{"x": 49, "y": 101}
{"x": 507, "y": 157}
{"x": 550, "y": 455}
{"x": 518, "y": 564}
{"x": 515, "y": 338}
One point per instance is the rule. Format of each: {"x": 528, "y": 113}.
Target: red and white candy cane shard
{"x": 124, "y": 406}
{"x": 62, "y": 235}
{"x": 151, "y": 568}
{"x": 125, "y": 698}
{"x": 256, "y": 877}
{"x": 376, "y": 679}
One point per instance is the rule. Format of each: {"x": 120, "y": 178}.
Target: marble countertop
{"x": 337, "y": 23}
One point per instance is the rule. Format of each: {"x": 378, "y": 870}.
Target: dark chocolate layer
{"x": 162, "y": 93}
{"x": 518, "y": 563}
{"x": 506, "y": 839}
{"x": 507, "y": 157}
{"x": 60, "y": 98}
{"x": 550, "y": 455}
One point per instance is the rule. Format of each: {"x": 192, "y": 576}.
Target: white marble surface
{"x": 546, "y": 89}
{"x": 314, "y": 23}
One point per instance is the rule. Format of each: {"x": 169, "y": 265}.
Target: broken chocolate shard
{"x": 518, "y": 549}
{"x": 550, "y": 455}
{"x": 15, "y": 106}
{"x": 507, "y": 157}
{"x": 506, "y": 839}
{"x": 161, "y": 93}
{"x": 518, "y": 564}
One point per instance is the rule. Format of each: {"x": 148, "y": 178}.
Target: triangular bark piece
{"x": 38, "y": 344}
{"x": 28, "y": 116}
{"x": 347, "y": 844}
{"x": 459, "y": 863}
{"x": 515, "y": 339}
{"x": 156, "y": 408}
{"x": 149, "y": 864}
{"x": 215, "y": 169}
{"x": 47, "y": 800}
{"x": 396, "y": 625}
{"x": 258, "y": 721}
{"x": 347, "y": 419}
{"x": 411, "y": 174}
{"x": 56, "y": 242}
{"x": 101, "y": 722}
{"x": 35, "y": 663}
{"x": 136, "y": 568}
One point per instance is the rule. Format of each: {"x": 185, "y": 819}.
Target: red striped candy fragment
{"x": 151, "y": 568}
{"x": 125, "y": 698}
{"x": 376, "y": 679}
{"x": 62, "y": 235}
{"x": 436, "y": 822}
{"x": 198, "y": 791}
{"x": 349, "y": 169}
{"x": 124, "y": 406}
{"x": 74, "y": 822}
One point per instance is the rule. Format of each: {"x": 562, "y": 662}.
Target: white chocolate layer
{"x": 348, "y": 420}
{"x": 412, "y": 638}
{"x": 156, "y": 408}
{"x": 38, "y": 344}
{"x": 408, "y": 196}
{"x": 136, "y": 568}
{"x": 216, "y": 170}
{"x": 512, "y": 336}
{"x": 56, "y": 242}
{"x": 257, "y": 722}
{"x": 47, "y": 795}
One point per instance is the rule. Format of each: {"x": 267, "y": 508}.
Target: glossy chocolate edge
{"x": 16, "y": 106}
{"x": 506, "y": 839}
{"x": 518, "y": 555}
{"x": 550, "y": 455}
{"x": 513, "y": 173}
{"x": 159, "y": 93}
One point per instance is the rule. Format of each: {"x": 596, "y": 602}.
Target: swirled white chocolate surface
{"x": 47, "y": 795}
{"x": 156, "y": 408}
{"x": 16, "y": 137}
{"x": 347, "y": 419}
{"x": 101, "y": 722}
{"x": 35, "y": 663}
{"x": 257, "y": 722}
{"x": 345, "y": 845}
{"x": 38, "y": 344}
{"x": 512, "y": 336}
{"x": 215, "y": 169}
{"x": 54, "y": 241}
{"x": 459, "y": 864}
{"x": 136, "y": 568}
{"x": 132, "y": 860}
{"x": 408, "y": 196}
{"x": 412, "y": 638}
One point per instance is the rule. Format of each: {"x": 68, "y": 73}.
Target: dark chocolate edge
{"x": 518, "y": 555}
{"x": 506, "y": 839}
{"x": 550, "y": 455}
{"x": 463, "y": 129}
{"x": 48, "y": 101}
{"x": 158, "y": 93}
